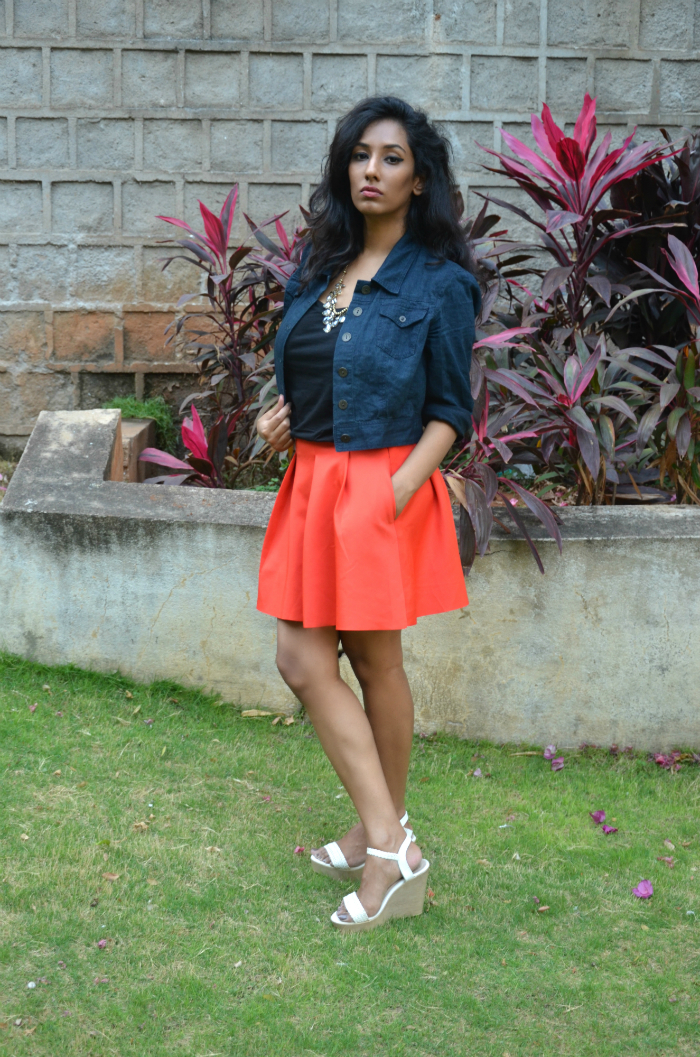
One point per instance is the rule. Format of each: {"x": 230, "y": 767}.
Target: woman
{"x": 372, "y": 360}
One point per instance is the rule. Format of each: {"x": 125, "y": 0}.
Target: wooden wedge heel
{"x": 404, "y": 899}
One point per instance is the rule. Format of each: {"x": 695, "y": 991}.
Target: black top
{"x": 308, "y": 376}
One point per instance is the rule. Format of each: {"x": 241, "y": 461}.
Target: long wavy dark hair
{"x": 337, "y": 227}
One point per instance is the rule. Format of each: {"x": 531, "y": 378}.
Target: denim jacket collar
{"x": 392, "y": 272}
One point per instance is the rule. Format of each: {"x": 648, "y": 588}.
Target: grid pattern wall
{"x": 113, "y": 111}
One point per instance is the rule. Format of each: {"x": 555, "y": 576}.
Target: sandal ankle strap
{"x": 399, "y": 857}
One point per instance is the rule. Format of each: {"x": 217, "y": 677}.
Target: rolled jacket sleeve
{"x": 449, "y": 354}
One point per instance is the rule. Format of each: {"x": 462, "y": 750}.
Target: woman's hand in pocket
{"x": 402, "y": 491}
{"x": 274, "y": 425}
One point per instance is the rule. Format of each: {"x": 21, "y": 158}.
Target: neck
{"x": 382, "y": 233}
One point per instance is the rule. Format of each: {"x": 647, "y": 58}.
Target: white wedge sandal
{"x": 338, "y": 866}
{"x": 403, "y": 900}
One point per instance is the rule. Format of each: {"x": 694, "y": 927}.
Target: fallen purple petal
{"x": 558, "y": 764}
{"x": 299, "y": 850}
{"x": 102, "y": 944}
{"x": 266, "y": 799}
{"x": 644, "y": 890}
{"x": 609, "y": 829}
{"x": 101, "y": 979}
{"x": 597, "y": 816}
{"x": 668, "y": 859}
{"x": 61, "y": 965}
{"x": 148, "y": 722}
{"x": 32, "y": 708}
{"x": 477, "y": 773}
{"x": 59, "y": 714}
{"x": 535, "y": 899}
{"x": 550, "y": 752}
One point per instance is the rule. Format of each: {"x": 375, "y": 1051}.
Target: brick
{"x": 213, "y": 195}
{"x": 338, "y": 81}
{"x": 294, "y": 21}
{"x": 103, "y": 273}
{"x": 142, "y": 202}
{"x": 567, "y": 80}
{"x": 623, "y": 84}
{"x": 522, "y": 130}
{"x": 37, "y": 18}
{"x": 20, "y": 206}
{"x": 237, "y": 146}
{"x": 469, "y": 21}
{"x": 96, "y": 390}
{"x": 237, "y": 19}
{"x": 212, "y": 79}
{"x": 105, "y": 143}
{"x": 521, "y": 22}
{"x": 105, "y": 18}
{"x": 21, "y": 77}
{"x": 680, "y": 87}
{"x": 665, "y": 25}
{"x": 298, "y": 146}
{"x": 276, "y": 81}
{"x": 500, "y": 82}
{"x": 172, "y": 145}
{"x": 265, "y": 200}
{"x": 591, "y": 23}
{"x": 23, "y": 337}
{"x": 463, "y": 136}
{"x": 3, "y": 141}
{"x": 81, "y": 78}
{"x": 83, "y": 207}
{"x": 172, "y": 387}
{"x": 433, "y": 81}
{"x": 148, "y": 78}
{"x": 696, "y": 24}
{"x": 144, "y": 337}
{"x": 82, "y": 336}
{"x": 41, "y": 142}
{"x": 179, "y": 19}
{"x": 41, "y": 391}
{"x": 43, "y": 273}
{"x": 166, "y": 287}
{"x": 400, "y": 20}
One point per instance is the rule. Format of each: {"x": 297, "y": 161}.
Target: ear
{"x": 418, "y": 186}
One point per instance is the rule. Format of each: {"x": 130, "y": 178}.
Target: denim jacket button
{"x": 342, "y": 404}
{"x": 402, "y": 319}
{"x": 366, "y": 289}
{"x": 357, "y": 311}
{"x": 345, "y": 438}
{"x": 343, "y": 372}
{"x": 346, "y": 337}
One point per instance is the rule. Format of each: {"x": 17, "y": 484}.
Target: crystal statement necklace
{"x": 332, "y": 316}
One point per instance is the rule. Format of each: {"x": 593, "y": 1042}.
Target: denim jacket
{"x": 403, "y": 355}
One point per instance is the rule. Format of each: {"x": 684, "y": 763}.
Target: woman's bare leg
{"x": 308, "y": 662}
{"x": 376, "y": 658}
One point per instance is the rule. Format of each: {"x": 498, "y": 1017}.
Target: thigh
{"x": 372, "y": 652}
{"x": 306, "y": 653}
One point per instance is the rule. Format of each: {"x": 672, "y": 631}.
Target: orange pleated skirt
{"x": 336, "y": 555}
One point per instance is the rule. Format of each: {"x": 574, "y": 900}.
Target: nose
{"x": 371, "y": 169}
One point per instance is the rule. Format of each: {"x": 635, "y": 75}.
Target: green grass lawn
{"x": 216, "y": 935}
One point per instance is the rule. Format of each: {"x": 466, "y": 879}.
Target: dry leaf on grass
{"x": 107, "y": 877}
{"x": 541, "y": 910}
{"x": 255, "y": 713}
{"x": 669, "y": 845}
{"x": 129, "y": 695}
{"x": 24, "y": 836}
{"x": 151, "y": 881}
{"x": 140, "y": 826}
{"x": 288, "y": 721}
{"x": 483, "y": 862}
{"x": 213, "y": 848}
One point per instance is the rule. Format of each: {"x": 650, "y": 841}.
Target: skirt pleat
{"x": 336, "y": 555}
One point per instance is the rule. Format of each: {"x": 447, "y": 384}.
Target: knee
{"x": 292, "y": 670}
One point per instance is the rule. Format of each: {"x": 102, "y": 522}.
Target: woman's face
{"x": 382, "y": 178}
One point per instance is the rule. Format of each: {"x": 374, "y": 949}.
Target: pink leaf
{"x": 504, "y": 337}
{"x": 585, "y": 128}
{"x": 554, "y": 133}
{"x": 214, "y": 230}
{"x": 194, "y": 436}
{"x": 227, "y": 212}
{"x": 557, "y": 220}
{"x": 597, "y": 816}
{"x": 683, "y": 264}
{"x": 644, "y": 890}
{"x": 525, "y": 153}
{"x": 609, "y": 829}
{"x": 163, "y": 458}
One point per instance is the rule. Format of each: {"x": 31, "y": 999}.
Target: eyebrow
{"x": 396, "y": 146}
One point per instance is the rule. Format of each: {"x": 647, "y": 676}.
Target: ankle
{"x": 386, "y": 838}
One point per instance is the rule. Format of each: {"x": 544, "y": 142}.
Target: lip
{"x": 370, "y": 192}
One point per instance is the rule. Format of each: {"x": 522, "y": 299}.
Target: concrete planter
{"x": 161, "y": 583}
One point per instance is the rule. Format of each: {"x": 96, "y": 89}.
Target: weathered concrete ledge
{"x": 161, "y": 583}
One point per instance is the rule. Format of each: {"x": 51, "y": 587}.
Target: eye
{"x": 359, "y": 155}
{"x": 393, "y": 159}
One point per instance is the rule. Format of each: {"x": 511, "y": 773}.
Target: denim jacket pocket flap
{"x": 403, "y": 315}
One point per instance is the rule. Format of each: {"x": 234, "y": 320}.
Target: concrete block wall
{"x": 113, "y": 111}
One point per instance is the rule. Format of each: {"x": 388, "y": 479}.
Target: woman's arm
{"x": 423, "y": 461}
